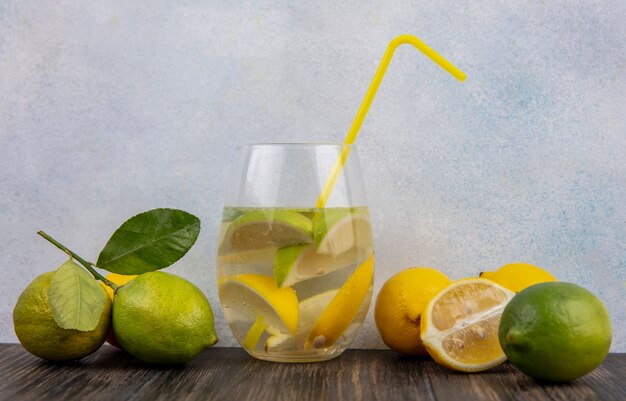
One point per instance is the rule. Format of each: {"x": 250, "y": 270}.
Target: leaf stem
{"x": 82, "y": 261}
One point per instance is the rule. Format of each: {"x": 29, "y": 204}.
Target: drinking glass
{"x": 295, "y": 280}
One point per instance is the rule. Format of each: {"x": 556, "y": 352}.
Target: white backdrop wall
{"x": 111, "y": 108}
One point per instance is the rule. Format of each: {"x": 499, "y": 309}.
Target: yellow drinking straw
{"x": 256, "y": 330}
{"x": 369, "y": 97}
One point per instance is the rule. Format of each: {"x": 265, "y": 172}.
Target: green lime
{"x": 337, "y": 230}
{"x": 555, "y": 331}
{"x": 287, "y": 261}
{"x": 257, "y": 229}
{"x": 40, "y": 335}
{"x": 163, "y": 319}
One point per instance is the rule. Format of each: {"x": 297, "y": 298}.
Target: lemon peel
{"x": 342, "y": 309}
{"x": 399, "y": 306}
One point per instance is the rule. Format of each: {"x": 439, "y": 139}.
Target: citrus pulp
{"x": 459, "y": 325}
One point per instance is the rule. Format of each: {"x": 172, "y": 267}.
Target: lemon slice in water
{"x": 248, "y": 296}
{"x": 342, "y": 309}
{"x": 337, "y": 230}
{"x": 309, "y": 311}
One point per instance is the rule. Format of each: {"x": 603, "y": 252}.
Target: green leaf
{"x": 150, "y": 241}
{"x": 76, "y": 299}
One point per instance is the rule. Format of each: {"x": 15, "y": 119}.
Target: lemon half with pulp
{"x": 459, "y": 326}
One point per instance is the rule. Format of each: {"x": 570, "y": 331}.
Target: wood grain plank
{"x": 230, "y": 374}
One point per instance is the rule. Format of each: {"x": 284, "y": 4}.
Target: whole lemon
{"x": 555, "y": 331}
{"x": 517, "y": 276}
{"x": 399, "y": 307}
{"x": 163, "y": 319}
{"x": 40, "y": 335}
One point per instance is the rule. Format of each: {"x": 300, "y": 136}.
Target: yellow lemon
{"x": 517, "y": 276}
{"x": 459, "y": 326}
{"x": 119, "y": 279}
{"x": 399, "y": 307}
{"x": 342, "y": 309}
{"x": 248, "y": 296}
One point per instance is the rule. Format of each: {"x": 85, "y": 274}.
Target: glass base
{"x": 314, "y": 355}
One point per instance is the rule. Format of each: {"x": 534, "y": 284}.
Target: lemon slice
{"x": 459, "y": 326}
{"x": 258, "y": 229}
{"x": 309, "y": 310}
{"x": 337, "y": 230}
{"x": 293, "y": 264}
{"x": 342, "y": 309}
{"x": 248, "y": 296}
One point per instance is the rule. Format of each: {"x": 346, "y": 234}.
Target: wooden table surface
{"x": 230, "y": 374}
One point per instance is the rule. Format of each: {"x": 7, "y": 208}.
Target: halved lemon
{"x": 459, "y": 326}
{"x": 342, "y": 309}
{"x": 263, "y": 228}
{"x": 293, "y": 264}
{"x": 248, "y": 296}
{"x": 337, "y": 230}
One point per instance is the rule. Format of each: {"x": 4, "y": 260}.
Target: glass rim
{"x": 293, "y": 144}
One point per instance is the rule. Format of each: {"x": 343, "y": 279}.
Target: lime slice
{"x": 343, "y": 308}
{"x": 337, "y": 230}
{"x": 248, "y": 296}
{"x": 257, "y": 229}
{"x": 309, "y": 311}
{"x": 296, "y": 263}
